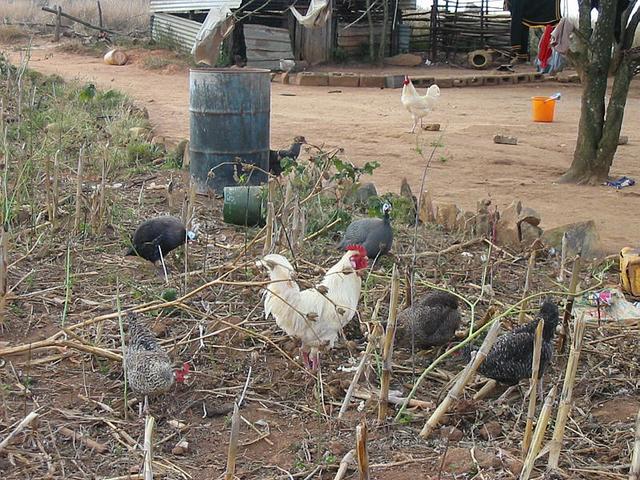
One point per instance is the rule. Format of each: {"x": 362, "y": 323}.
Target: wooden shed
{"x": 266, "y": 30}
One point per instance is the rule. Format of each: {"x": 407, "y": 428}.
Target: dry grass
{"x": 11, "y": 33}
{"x": 117, "y": 15}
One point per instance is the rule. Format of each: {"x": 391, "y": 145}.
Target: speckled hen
{"x": 510, "y": 358}
{"x": 431, "y": 321}
{"x": 149, "y": 369}
{"x": 374, "y": 234}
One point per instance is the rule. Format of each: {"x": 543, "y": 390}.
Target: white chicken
{"x": 418, "y": 105}
{"x": 316, "y": 315}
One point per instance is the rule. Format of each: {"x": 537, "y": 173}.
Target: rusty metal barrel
{"x": 229, "y": 112}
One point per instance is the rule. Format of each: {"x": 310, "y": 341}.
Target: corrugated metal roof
{"x": 174, "y": 31}
{"x": 188, "y": 5}
{"x": 407, "y": 5}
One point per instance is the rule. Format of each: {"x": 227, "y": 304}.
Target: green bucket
{"x": 242, "y": 205}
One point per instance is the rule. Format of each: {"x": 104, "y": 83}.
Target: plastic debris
{"x": 621, "y": 182}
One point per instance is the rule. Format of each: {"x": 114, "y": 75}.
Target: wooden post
{"x": 56, "y": 33}
{"x": 361, "y": 450}
{"x": 100, "y": 15}
{"x": 538, "y": 435}
{"x": 387, "y": 350}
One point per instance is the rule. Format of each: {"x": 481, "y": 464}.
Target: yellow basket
{"x": 630, "y": 270}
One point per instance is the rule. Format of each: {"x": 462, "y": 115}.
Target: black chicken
{"x": 161, "y": 233}
{"x": 431, "y": 321}
{"x": 510, "y": 358}
{"x": 275, "y": 156}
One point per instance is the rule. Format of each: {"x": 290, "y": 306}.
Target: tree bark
{"x": 372, "y": 39}
{"x": 383, "y": 32}
{"x": 598, "y": 134}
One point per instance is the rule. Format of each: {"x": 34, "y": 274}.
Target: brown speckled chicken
{"x": 433, "y": 319}
{"x": 149, "y": 369}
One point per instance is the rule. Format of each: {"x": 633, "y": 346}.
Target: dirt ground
{"x": 370, "y": 124}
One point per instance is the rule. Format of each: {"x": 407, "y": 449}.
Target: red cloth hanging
{"x": 544, "y": 49}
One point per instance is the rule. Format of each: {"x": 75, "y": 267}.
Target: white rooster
{"x": 315, "y": 315}
{"x": 418, "y": 105}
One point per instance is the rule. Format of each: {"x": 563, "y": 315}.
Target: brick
{"x": 536, "y": 77}
{"x": 344, "y": 80}
{"x": 491, "y": 80}
{"x": 445, "y": 82}
{"x": 459, "y": 82}
{"x": 475, "y": 81}
{"x": 393, "y": 81}
{"x": 521, "y": 78}
{"x": 310, "y": 79}
{"x": 507, "y": 79}
{"x": 423, "y": 81}
{"x": 286, "y": 78}
{"x": 372, "y": 81}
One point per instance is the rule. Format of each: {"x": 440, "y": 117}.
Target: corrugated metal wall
{"x": 188, "y": 5}
{"x": 266, "y": 46}
{"x": 174, "y": 31}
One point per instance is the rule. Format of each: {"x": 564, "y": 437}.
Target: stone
{"x": 460, "y": 82}
{"x": 530, "y": 216}
{"x": 372, "y": 81}
{"x": 445, "y": 82}
{"x": 404, "y": 60}
{"x": 505, "y": 139}
{"x": 344, "y": 80}
{"x": 623, "y": 140}
{"x": 447, "y": 215}
{"x": 431, "y": 127}
{"x": 466, "y": 222}
{"x": 581, "y": 236}
{"x": 475, "y": 81}
{"x": 365, "y": 191}
{"x": 310, "y": 79}
{"x": 181, "y": 448}
{"x": 490, "y": 430}
{"x": 529, "y": 233}
{"x": 451, "y": 433}
{"x": 459, "y": 460}
{"x": 483, "y": 205}
{"x": 507, "y": 232}
{"x": 286, "y": 78}
{"x": 426, "y": 213}
{"x": 482, "y": 225}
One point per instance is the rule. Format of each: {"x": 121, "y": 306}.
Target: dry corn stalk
{"x": 268, "y": 239}
{"x": 344, "y": 464}
{"x": 147, "y": 469}
{"x": 233, "y": 444}
{"x": 566, "y": 397}
{"x": 538, "y": 435}
{"x": 527, "y": 281}
{"x": 465, "y": 377}
{"x": 535, "y": 368}
{"x": 486, "y": 389}
{"x": 21, "y": 426}
{"x": 361, "y": 450}
{"x": 387, "y": 349}
{"x": 573, "y": 286}
{"x": 371, "y": 343}
{"x": 634, "y": 471}
{"x": 4, "y": 262}
{"x": 76, "y": 222}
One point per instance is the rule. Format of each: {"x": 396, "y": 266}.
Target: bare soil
{"x": 370, "y": 124}
{"x": 284, "y": 403}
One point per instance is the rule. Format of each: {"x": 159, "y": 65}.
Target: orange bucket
{"x": 543, "y": 109}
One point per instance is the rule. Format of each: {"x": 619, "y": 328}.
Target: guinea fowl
{"x": 510, "y": 358}
{"x": 149, "y": 370}
{"x": 159, "y": 234}
{"x": 431, "y": 321}
{"x": 275, "y": 156}
{"x": 374, "y": 234}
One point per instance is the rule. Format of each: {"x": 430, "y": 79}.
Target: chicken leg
{"x": 305, "y": 358}
{"x": 415, "y": 124}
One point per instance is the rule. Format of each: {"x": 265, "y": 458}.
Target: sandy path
{"x": 370, "y": 124}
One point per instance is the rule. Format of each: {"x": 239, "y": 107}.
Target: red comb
{"x": 358, "y": 248}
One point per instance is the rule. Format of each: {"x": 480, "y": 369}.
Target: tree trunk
{"x": 383, "y": 32}
{"x": 598, "y": 136}
{"x": 372, "y": 39}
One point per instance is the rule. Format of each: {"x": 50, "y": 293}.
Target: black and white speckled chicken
{"x": 510, "y": 358}
{"x": 433, "y": 319}
{"x": 149, "y": 369}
